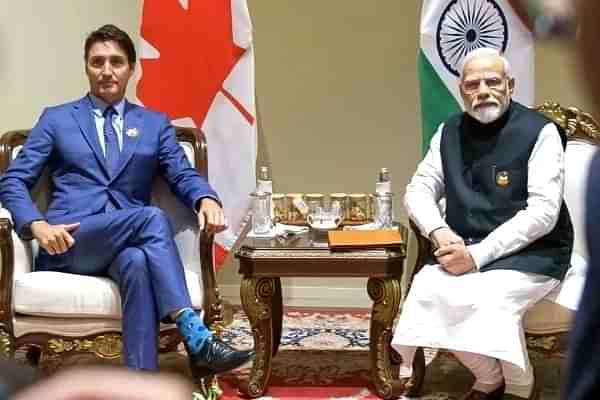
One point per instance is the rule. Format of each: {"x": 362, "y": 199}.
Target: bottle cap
{"x": 264, "y": 173}
{"x": 384, "y": 175}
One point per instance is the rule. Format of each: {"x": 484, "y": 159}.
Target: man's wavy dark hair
{"x": 107, "y": 33}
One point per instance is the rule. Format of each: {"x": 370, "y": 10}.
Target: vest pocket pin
{"x": 132, "y": 132}
{"x": 502, "y": 178}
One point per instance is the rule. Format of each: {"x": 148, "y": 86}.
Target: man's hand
{"x": 211, "y": 217}
{"x": 55, "y": 239}
{"x": 455, "y": 259}
{"x": 443, "y": 237}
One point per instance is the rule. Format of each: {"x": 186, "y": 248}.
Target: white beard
{"x": 489, "y": 113}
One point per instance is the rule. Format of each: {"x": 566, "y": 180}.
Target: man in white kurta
{"x": 455, "y": 303}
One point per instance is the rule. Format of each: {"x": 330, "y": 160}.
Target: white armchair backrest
{"x": 578, "y": 156}
{"x": 183, "y": 220}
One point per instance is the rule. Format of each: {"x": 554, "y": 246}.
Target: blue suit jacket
{"x": 583, "y": 363}
{"x": 66, "y": 140}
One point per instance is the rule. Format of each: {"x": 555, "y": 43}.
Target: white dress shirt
{"x": 545, "y": 185}
{"x": 98, "y": 107}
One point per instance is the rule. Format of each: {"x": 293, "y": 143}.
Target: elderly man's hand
{"x": 211, "y": 217}
{"x": 455, "y": 259}
{"x": 55, "y": 239}
{"x": 445, "y": 236}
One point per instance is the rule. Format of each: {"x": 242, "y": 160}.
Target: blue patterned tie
{"x": 111, "y": 143}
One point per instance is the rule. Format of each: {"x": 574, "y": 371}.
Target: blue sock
{"x": 192, "y": 329}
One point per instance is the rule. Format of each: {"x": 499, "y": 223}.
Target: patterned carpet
{"x": 324, "y": 356}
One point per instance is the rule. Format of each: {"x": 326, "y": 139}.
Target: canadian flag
{"x": 197, "y": 64}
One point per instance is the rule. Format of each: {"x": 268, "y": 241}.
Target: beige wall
{"x": 41, "y": 51}
{"x": 336, "y": 83}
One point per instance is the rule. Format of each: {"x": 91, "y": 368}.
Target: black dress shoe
{"x": 216, "y": 357}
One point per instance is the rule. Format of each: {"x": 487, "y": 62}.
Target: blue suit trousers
{"x": 134, "y": 247}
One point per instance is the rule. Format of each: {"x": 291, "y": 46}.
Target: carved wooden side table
{"x": 264, "y": 261}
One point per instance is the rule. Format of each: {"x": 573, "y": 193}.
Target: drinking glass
{"x": 261, "y": 212}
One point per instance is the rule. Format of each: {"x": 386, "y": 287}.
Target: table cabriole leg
{"x": 386, "y": 295}
{"x": 277, "y": 315}
{"x": 257, "y": 294}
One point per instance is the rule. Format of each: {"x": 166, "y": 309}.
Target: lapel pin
{"x": 132, "y": 132}
{"x": 502, "y": 178}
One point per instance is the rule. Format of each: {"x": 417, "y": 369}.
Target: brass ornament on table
{"x": 358, "y": 208}
{"x": 278, "y": 202}
{"x": 294, "y": 216}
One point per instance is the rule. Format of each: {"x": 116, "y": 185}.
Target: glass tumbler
{"x": 261, "y": 212}
{"x": 340, "y": 200}
{"x": 314, "y": 201}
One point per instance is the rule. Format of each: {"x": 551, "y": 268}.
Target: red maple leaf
{"x": 197, "y": 53}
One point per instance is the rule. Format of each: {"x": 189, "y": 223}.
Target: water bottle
{"x": 384, "y": 183}
{"x": 264, "y": 184}
{"x": 384, "y": 210}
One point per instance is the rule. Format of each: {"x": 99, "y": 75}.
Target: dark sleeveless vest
{"x": 486, "y": 171}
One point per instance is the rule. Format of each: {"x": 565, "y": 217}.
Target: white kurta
{"x": 477, "y": 312}
{"x": 481, "y": 312}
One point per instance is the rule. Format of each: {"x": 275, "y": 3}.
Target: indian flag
{"x": 452, "y": 28}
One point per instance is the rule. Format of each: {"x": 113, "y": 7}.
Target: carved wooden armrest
{"x": 213, "y": 307}
{"x": 578, "y": 125}
{"x": 424, "y": 251}
{"x": 7, "y": 255}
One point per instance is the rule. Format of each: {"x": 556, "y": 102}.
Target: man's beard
{"x": 489, "y": 112}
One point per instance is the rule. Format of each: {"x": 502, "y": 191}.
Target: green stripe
{"x": 437, "y": 103}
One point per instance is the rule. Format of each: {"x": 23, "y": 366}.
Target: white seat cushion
{"x": 58, "y": 294}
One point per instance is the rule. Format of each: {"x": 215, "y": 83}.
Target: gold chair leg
{"x": 6, "y": 345}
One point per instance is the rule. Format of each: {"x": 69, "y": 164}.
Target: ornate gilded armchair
{"x": 49, "y": 316}
{"x": 547, "y": 323}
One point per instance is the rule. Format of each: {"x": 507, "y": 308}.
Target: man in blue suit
{"x": 103, "y": 154}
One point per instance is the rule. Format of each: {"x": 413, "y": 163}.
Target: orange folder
{"x": 364, "y": 239}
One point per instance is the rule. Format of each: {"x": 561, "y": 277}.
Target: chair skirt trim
{"x": 52, "y": 350}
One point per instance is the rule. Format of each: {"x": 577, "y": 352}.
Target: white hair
{"x": 485, "y": 52}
